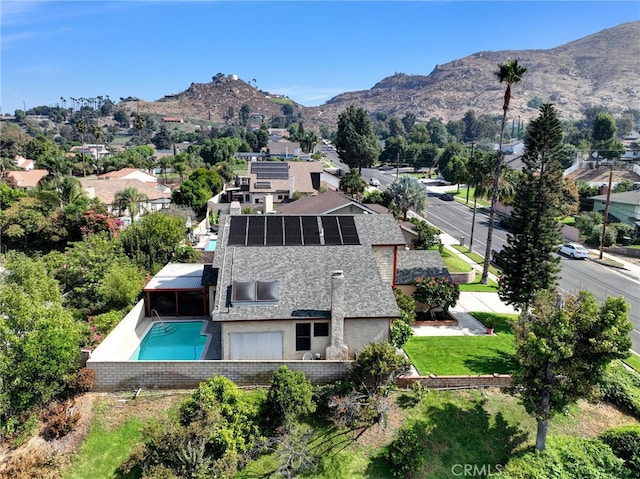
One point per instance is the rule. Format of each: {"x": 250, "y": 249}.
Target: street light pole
{"x": 475, "y": 204}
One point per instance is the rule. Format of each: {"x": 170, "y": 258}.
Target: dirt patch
{"x": 597, "y": 417}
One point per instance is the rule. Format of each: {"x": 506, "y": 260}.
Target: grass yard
{"x": 466, "y": 355}
{"x": 475, "y": 257}
{"x": 453, "y": 263}
{"x": 461, "y": 196}
{"x": 477, "y": 287}
{"x": 633, "y": 361}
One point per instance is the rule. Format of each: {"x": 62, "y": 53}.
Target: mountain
{"x": 602, "y": 69}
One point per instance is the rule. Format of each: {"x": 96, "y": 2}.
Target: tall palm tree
{"x": 128, "y": 199}
{"x": 82, "y": 127}
{"x": 510, "y": 73}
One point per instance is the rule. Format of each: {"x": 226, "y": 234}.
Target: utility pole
{"x": 397, "y": 164}
{"x": 606, "y": 212}
{"x": 475, "y": 204}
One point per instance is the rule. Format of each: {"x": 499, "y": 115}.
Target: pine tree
{"x": 530, "y": 264}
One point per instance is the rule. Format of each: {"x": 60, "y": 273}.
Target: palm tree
{"x": 81, "y": 126}
{"x": 128, "y": 199}
{"x": 407, "y": 193}
{"x": 510, "y": 73}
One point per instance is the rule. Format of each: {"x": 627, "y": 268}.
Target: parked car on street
{"x": 574, "y": 251}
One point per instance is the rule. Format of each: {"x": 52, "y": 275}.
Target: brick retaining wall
{"x": 130, "y": 375}
{"x": 452, "y": 382}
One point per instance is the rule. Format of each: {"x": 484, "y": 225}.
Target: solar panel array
{"x": 270, "y": 170}
{"x": 267, "y": 230}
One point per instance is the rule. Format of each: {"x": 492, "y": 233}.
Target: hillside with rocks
{"x": 598, "y": 70}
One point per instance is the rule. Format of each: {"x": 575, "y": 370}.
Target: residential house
{"x": 27, "y": 179}
{"x": 172, "y": 119}
{"x": 156, "y": 196}
{"x": 129, "y": 174}
{"x": 282, "y": 289}
{"x": 329, "y": 203}
{"x": 95, "y": 151}
{"x": 275, "y": 180}
{"x": 623, "y": 208}
{"x": 23, "y": 163}
{"x": 283, "y": 149}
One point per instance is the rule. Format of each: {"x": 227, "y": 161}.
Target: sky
{"x": 309, "y": 50}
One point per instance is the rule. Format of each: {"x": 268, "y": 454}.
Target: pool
{"x": 173, "y": 340}
{"x": 211, "y": 245}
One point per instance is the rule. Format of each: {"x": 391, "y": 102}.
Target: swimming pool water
{"x": 211, "y": 245}
{"x": 172, "y": 340}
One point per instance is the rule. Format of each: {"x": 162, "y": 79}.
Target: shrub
{"x": 346, "y": 411}
{"x": 566, "y": 458}
{"x": 83, "y": 381}
{"x": 625, "y": 443}
{"x": 406, "y": 454}
{"x": 596, "y": 236}
{"x": 586, "y": 221}
{"x": 406, "y": 304}
{"x": 378, "y": 365}
{"x": 324, "y": 394}
{"x": 400, "y": 333}
{"x": 59, "y": 420}
{"x": 290, "y": 396}
{"x": 621, "y": 387}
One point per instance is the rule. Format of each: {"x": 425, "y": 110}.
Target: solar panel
{"x": 348, "y": 230}
{"x": 310, "y": 230}
{"x": 292, "y": 231}
{"x": 331, "y": 232}
{"x": 265, "y": 170}
{"x": 238, "y": 231}
{"x": 275, "y": 231}
{"x": 255, "y": 231}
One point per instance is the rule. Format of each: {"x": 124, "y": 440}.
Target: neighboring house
{"x": 106, "y": 190}
{"x": 172, "y": 119}
{"x": 278, "y": 179}
{"x": 283, "y": 149}
{"x": 23, "y": 163}
{"x": 129, "y": 174}
{"x": 95, "y": 151}
{"x": 631, "y": 150}
{"x": 27, "y": 179}
{"x": 328, "y": 203}
{"x": 623, "y": 208}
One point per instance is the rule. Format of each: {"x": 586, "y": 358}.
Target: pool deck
{"x": 203, "y": 240}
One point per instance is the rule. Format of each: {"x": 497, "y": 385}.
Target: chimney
{"x": 292, "y": 187}
{"x": 337, "y": 349}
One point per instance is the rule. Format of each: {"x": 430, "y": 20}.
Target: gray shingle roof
{"x": 415, "y": 263}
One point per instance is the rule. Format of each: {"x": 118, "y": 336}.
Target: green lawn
{"x": 453, "y": 263}
{"x": 462, "y": 355}
{"x": 477, "y": 287}
{"x": 461, "y": 196}
{"x": 633, "y": 361}
{"x": 475, "y": 257}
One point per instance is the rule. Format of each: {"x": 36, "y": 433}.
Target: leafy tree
{"x": 409, "y": 122}
{"x": 290, "y": 397}
{"x": 152, "y": 241}
{"x": 406, "y": 304}
{"x": 562, "y": 350}
{"x": 428, "y": 235}
{"x": 456, "y": 170}
{"x": 530, "y": 262}
{"x": 438, "y": 134}
{"x": 603, "y": 137}
{"x": 624, "y": 185}
{"x": 220, "y": 149}
{"x": 355, "y": 142}
{"x": 510, "y": 73}
{"x": 352, "y": 183}
{"x": 436, "y": 293}
{"x": 400, "y": 333}
{"x": 121, "y": 285}
{"x": 406, "y": 193}
{"x": 162, "y": 139}
{"x": 39, "y": 341}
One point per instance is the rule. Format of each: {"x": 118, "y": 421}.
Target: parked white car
{"x": 574, "y": 250}
{"x": 374, "y": 182}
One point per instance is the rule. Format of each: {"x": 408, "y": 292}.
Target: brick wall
{"x": 130, "y": 375}
{"x": 452, "y": 382}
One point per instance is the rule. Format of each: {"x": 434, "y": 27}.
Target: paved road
{"x": 455, "y": 219}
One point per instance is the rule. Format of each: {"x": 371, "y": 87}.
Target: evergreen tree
{"x": 356, "y": 143}
{"x": 529, "y": 263}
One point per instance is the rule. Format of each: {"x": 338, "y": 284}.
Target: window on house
{"x": 303, "y": 336}
{"x": 320, "y": 329}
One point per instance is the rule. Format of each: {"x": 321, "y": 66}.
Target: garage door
{"x": 255, "y": 345}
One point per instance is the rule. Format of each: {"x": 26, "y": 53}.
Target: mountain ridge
{"x": 601, "y": 69}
